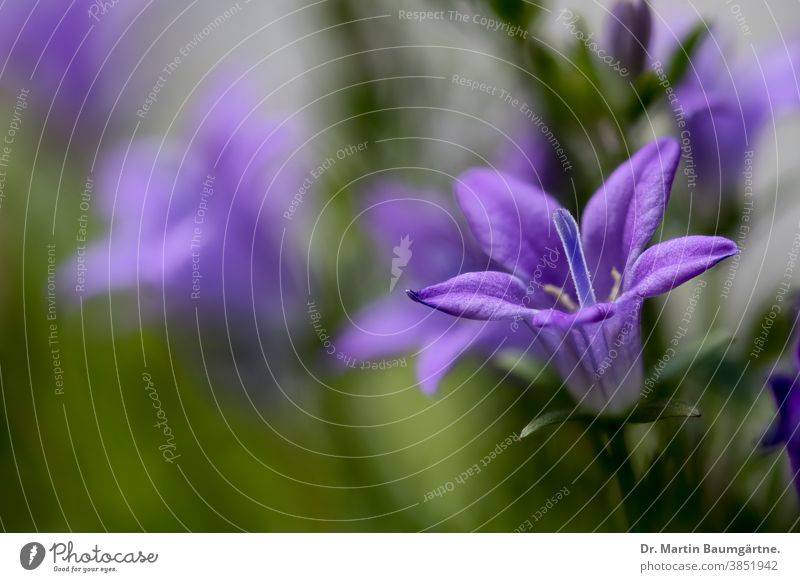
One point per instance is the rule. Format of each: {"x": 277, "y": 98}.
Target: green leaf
{"x": 642, "y": 414}
{"x": 646, "y": 90}
{"x": 651, "y": 412}
{"x": 683, "y": 55}
{"x": 555, "y": 417}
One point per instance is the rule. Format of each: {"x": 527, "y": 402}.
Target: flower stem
{"x": 623, "y": 470}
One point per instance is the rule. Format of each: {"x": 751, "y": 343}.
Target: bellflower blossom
{"x": 198, "y": 222}
{"x": 785, "y": 429}
{"x": 586, "y": 311}
{"x": 392, "y": 326}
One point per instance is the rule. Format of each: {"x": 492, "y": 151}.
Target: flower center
{"x": 563, "y": 297}
{"x": 568, "y": 303}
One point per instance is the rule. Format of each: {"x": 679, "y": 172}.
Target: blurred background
{"x": 202, "y": 214}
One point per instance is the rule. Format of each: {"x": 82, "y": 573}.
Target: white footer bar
{"x": 401, "y": 557}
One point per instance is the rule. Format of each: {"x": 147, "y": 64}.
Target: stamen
{"x": 563, "y": 298}
{"x": 617, "y": 276}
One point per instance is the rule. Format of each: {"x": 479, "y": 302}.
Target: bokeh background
{"x": 268, "y": 432}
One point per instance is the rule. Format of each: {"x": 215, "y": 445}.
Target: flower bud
{"x": 629, "y": 29}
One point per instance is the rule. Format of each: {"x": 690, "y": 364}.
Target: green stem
{"x": 623, "y": 470}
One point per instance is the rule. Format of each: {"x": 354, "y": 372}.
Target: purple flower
{"x": 629, "y": 28}
{"x": 785, "y": 429}
{"x": 585, "y": 310}
{"x": 198, "y": 222}
{"x": 65, "y": 56}
{"x": 726, "y": 102}
{"x": 532, "y": 158}
{"x": 393, "y": 326}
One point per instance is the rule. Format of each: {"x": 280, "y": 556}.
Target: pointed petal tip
{"x": 733, "y": 249}
{"x": 672, "y": 263}
{"x": 725, "y": 249}
{"x": 416, "y": 297}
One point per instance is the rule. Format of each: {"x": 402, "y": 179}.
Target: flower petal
{"x": 787, "y": 401}
{"x": 390, "y": 327}
{"x": 440, "y": 242}
{"x": 597, "y": 352}
{"x": 770, "y": 83}
{"x": 511, "y": 220}
{"x": 719, "y": 138}
{"x": 529, "y": 157}
{"x": 566, "y": 320}
{"x": 625, "y": 212}
{"x": 667, "y": 265}
{"x": 785, "y": 428}
{"x": 438, "y": 358}
{"x": 797, "y": 348}
{"x": 488, "y": 295}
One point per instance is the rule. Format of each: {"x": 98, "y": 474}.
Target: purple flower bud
{"x": 629, "y": 28}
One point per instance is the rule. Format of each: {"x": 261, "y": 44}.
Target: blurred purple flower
{"x": 785, "y": 429}
{"x": 726, "y": 102}
{"x": 201, "y": 219}
{"x": 533, "y": 159}
{"x": 393, "y": 326}
{"x": 58, "y": 51}
{"x": 585, "y": 310}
